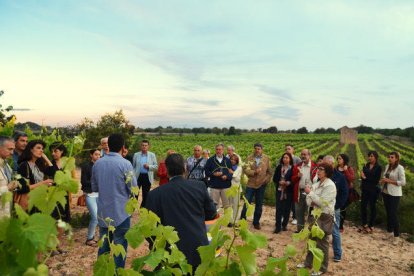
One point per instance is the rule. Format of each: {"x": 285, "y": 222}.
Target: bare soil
{"x": 366, "y": 254}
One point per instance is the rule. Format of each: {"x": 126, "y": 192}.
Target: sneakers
{"x": 314, "y": 273}
{"x": 396, "y": 241}
{"x": 301, "y": 265}
{"x": 294, "y": 222}
{"x": 388, "y": 236}
{"x": 337, "y": 260}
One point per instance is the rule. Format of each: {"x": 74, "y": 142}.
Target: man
{"x": 217, "y": 170}
{"x": 112, "y": 178}
{"x": 185, "y": 205}
{"x": 230, "y": 152}
{"x": 258, "y": 170}
{"x": 196, "y": 164}
{"x": 6, "y": 183}
{"x": 302, "y": 177}
{"x": 104, "y": 146}
{"x": 290, "y": 149}
{"x": 341, "y": 199}
{"x": 144, "y": 163}
{"x": 296, "y": 160}
{"x": 20, "y": 139}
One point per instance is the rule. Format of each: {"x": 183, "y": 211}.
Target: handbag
{"x": 325, "y": 222}
{"x": 82, "y": 200}
{"x": 22, "y": 200}
{"x": 353, "y": 195}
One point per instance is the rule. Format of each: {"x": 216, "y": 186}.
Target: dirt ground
{"x": 365, "y": 254}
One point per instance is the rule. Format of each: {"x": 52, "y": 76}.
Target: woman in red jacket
{"x": 162, "y": 169}
{"x": 344, "y": 168}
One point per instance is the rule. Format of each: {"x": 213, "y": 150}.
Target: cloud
{"x": 21, "y": 109}
{"x": 341, "y": 109}
{"x": 282, "y": 112}
{"x": 283, "y": 94}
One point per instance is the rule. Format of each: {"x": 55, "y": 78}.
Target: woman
{"x": 284, "y": 191}
{"x": 35, "y": 166}
{"x": 322, "y": 195}
{"x": 162, "y": 169}
{"x": 370, "y": 177}
{"x": 394, "y": 178}
{"x": 59, "y": 150}
{"x": 344, "y": 168}
{"x": 236, "y": 170}
{"x": 91, "y": 198}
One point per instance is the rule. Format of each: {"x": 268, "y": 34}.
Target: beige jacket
{"x": 263, "y": 177}
{"x": 4, "y": 211}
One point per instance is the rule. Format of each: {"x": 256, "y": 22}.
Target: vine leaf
{"x": 104, "y": 266}
{"x": 247, "y": 258}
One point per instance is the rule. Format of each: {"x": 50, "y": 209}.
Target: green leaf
{"x": 45, "y": 198}
{"x": 302, "y": 235}
{"x": 317, "y": 232}
{"x": 131, "y": 205}
{"x": 6, "y": 198}
{"x": 317, "y": 258}
{"x": 138, "y": 263}
{"x": 104, "y": 266}
{"x": 65, "y": 181}
{"x": 252, "y": 239}
{"x": 118, "y": 249}
{"x": 247, "y": 258}
{"x": 68, "y": 164}
{"x": 250, "y": 207}
{"x": 233, "y": 270}
{"x": 233, "y": 191}
{"x": 290, "y": 250}
{"x": 170, "y": 234}
{"x": 207, "y": 255}
{"x": 21, "y": 214}
{"x": 41, "y": 270}
{"x": 316, "y": 212}
{"x": 4, "y": 224}
{"x": 302, "y": 272}
{"x": 311, "y": 244}
{"x": 176, "y": 256}
{"x": 134, "y": 236}
{"x": 127, "y": 272}
{"x": 155, "y": 258}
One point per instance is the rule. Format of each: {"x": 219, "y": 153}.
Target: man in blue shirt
{"x": 112, "y": 178}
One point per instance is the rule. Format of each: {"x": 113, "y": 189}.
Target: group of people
{"x": 191, "y": 190}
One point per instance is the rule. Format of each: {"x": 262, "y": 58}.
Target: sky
{"x": 248, "y": 64}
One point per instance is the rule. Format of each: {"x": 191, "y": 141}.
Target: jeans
{"x": 283, "y": 210}
{"x": 301, "y": 211}
{"x": 93, "y": 212}
{"x": 118, "y": 237}
{"x": 259, "y": 196}
{"x": 336, "y": 236}
{"x": 368, "y": 198}
{"x": 391, "y": 207}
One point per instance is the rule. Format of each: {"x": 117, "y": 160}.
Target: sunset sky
{"x": 249, "y": 64}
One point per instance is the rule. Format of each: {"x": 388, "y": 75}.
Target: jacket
{"x": 152, "y": 163}
{"x": 263, "y": 178}
{"x": 212, "y": 166}
{"x": 397, "y": 174}
{"x": 296, "y": 178}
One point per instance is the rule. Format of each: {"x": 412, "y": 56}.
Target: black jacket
{"x": 370, "y": 183}
{"x": 86, "y": 174}
{"x": 184, "y": 204}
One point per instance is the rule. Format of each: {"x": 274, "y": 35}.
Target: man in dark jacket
{"x": 341, "y": 199}
{"x": 217, "y": 170}
{"x": 185, "y": 205}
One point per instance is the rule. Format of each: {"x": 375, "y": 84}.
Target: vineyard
{"x": 319, "y": 144}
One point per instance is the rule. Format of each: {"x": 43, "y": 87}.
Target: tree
{"x": 3, "y": 117}
{"x": 107, "y": 125}
{"x": 302, "y": 130}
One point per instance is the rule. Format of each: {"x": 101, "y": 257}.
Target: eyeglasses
{"x": 321, "y": 168}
